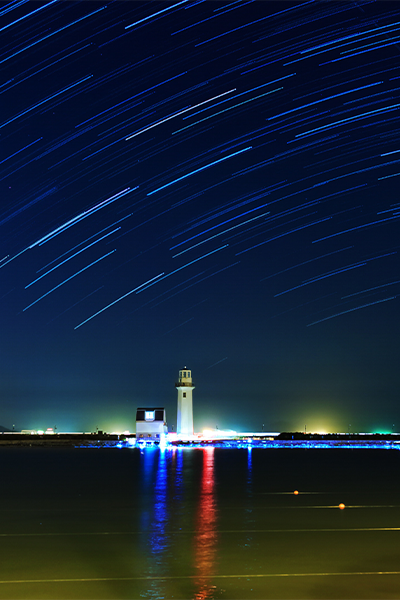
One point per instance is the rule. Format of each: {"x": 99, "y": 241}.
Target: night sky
{"x": 204, "y": 184}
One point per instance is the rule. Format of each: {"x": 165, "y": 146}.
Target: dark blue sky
{"x": 210, "y": 184}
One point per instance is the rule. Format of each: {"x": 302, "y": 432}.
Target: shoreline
{"x": 255, "y": 440}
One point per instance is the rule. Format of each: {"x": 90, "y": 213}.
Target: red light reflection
{"x": 206, "y": 534}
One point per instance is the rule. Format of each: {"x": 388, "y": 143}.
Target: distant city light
{"x": 218, "y": 433}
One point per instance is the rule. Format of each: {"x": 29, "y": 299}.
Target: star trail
{"x": 202, "y": 183}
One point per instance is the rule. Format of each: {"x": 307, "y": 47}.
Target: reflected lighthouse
{"x": 185, "y": 389}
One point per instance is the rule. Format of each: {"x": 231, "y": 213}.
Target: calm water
{"x": 199, "y": 523}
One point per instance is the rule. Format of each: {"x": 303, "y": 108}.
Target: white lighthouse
{"x": 185, "y": 388}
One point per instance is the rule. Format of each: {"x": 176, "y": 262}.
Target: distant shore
{"x": 99, "y": 439}
{"x": 60, "y": 439}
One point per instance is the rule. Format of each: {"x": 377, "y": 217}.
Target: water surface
{"x": 199, "y": 523}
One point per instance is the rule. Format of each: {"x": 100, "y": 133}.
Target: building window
{"x": 149, "y": 415}
{"x": 184, "y": 394}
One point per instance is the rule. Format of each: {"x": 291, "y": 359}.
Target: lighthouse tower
{"x": 185, "y": 388}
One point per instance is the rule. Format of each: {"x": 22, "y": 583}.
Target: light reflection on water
{"x": 206, "y": 533}
{"x": 249, "y": 465}
{"x": 249, "y": 518}
{"x": 164, "y": 514}
{"x": 155, "y": 461}
{"x": 198, "y": 523}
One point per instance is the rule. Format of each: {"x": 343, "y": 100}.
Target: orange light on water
{"x": 341, "y": 506}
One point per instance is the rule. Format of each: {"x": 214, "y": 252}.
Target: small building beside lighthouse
{"x": 151, "y": 424}
{"x": 185, "y": 389}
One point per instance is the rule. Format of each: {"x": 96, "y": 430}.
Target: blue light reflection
{"x": 154, "y": 515}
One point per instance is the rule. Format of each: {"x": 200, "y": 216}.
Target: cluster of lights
{"x": 48, "y": 431}
{"x": 169, "y": 441}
